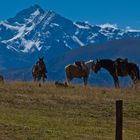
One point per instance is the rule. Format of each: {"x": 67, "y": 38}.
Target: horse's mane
{"x": 106, "y": 60}
{"x": 89, "y": 61}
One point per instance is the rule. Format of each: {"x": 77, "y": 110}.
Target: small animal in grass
{"x": 60, "y": 84}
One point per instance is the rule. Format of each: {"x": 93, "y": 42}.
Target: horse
{"x": 1, "y": 79}
{"x": 39, "y": 70}
{"x": 72, "y": 71}
{"x": 122, "y": 68}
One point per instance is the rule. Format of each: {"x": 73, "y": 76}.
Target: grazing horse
{"x": 122, "y": 68}
{"x": 72, "y": 71}
{"x": 39, "y": 70}
{"x": 1, "y": 79}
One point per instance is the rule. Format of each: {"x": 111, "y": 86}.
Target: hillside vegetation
{"x": 30, "y": 112}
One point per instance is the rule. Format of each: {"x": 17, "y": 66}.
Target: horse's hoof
{"x": 39, "y": 85}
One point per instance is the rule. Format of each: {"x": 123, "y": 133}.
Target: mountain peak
{"x": 33, "y": 10}
{"x": 36, "y": 7}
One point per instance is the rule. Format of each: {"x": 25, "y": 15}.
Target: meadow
{"x": 30, "y": 112}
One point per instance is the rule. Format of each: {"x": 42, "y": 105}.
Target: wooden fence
{"x": 119, "y": 120}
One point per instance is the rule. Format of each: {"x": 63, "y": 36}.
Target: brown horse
{"x": 72, "y": 71}
{"x": 119, "y": 68}
{"x": 39, "y": 70}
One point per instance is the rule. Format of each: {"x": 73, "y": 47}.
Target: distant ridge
{"x": 34, "y": 29}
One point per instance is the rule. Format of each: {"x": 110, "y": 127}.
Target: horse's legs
{"x": 38, "y": 78}
{"x": 85, "y": 80}
{"x": 68, "y": 81}
{"x": 34, "y": 78}
{"x": 43, "y": 78}
{"x": 116, "y": 81}
{"x": 134, "y": 79}
{"x": 69, "y": 78}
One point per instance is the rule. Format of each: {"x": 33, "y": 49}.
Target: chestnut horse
{"x": 72, "y": 71}
{"x": 39, "y": 70}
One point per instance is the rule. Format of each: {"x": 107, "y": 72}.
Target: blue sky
{"x": 121, "y": 12}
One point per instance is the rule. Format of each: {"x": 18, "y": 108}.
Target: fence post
{"x": 119, "y": 119}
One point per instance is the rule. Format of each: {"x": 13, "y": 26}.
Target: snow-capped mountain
{"x": 33, "y": 30}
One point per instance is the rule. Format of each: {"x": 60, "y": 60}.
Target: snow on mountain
{"x": 34, "y": 32}
{"x": 107, "y": 25}
{"x": 33, "y": 29}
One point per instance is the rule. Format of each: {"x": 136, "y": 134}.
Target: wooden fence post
{"x": 119, "y": 120}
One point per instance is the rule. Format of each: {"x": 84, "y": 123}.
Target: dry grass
{"x": 30, "y": 112}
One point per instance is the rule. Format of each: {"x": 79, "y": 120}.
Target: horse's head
{"x": 97, "y": 66}
{"x": 42, "y": 66}
{"x": 41, "y": 61}
{"x": 91, "y": 64}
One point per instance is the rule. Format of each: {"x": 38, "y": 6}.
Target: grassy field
{"x": 30, "y": 112}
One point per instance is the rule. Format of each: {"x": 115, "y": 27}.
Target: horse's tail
{"x": 68, "y": 73}
{"x": 33, "y": 69}
{"x": 138, "y": 72}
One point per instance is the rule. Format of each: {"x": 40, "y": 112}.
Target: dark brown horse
{"x": 72, "y": 71}
{"x": 39, "y": 70}
{"x": 119, "y": 68}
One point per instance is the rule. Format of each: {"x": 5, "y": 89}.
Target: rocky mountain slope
{"x": 34, "y": 32}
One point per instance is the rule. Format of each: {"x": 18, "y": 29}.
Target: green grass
{"x": 30, "y": 112}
